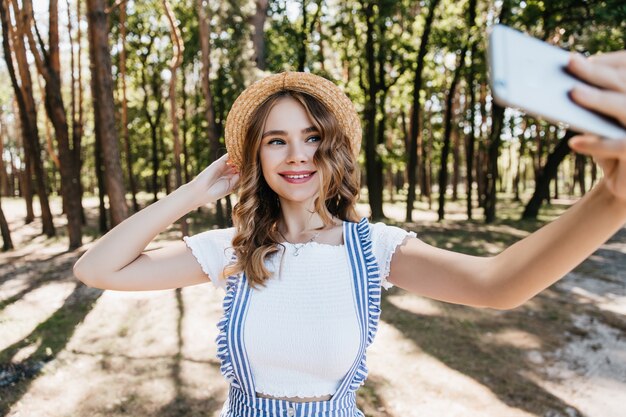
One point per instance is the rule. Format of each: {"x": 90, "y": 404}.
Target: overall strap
{"x": 366, "y": 284}
{"x": 231, "y": 349}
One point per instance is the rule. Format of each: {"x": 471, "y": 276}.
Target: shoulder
{"x": 211, "y": 243}
{"x": 381, "y": 233}
{"x": 215, "y": 235}
{"x": 213, "y": 250}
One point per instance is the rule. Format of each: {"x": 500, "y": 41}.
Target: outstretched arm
{"x": 117, "y": 260}
{"x": 534, "y": 263}
{"x": 519, "y": 272}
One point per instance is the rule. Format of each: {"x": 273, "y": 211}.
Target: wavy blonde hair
{"x": 256, "y": 215}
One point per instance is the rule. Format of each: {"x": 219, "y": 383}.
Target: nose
{"x": 297, "y": 153}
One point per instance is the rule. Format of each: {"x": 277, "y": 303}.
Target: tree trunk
{"x": 417, "y": 107}
{"x": 153, "y": 86}
{"x": 177, "y": 60}
{"x": 129, "y": 153}
{"x": 594, "y": 173}
{"x": 24, "y": 187}
{"x": 15, "y": 172}
{"x": 102, "y": 189}
{"x": 209, "y": 110}
{"x": 443, "y": 169}
{"x": 4, "y": 177}
{"x": 48, "y": 65}
{"x": 492, "y": 162}
{"x": 302, "y": 46}
{"x": 7, "y": 243}
{"x": 497, "y": 119}
{"x": 471, "y": 137}
{"x": 373, "y": 164}
{"x": 542, "y": 189}
{"x": 77, "y": 123}
{"x": 28, "y": 120}
{"x": 580, "y": 173}
{"x": 520, "y": 158}
{"x": 105, "y": 114}
{"x": 424, "y": 146}
{"x": 185, "y": 129}
{"x": 456, "y": 163}
{"x": 76, "y": 136}
{"x": 258, "y": 35}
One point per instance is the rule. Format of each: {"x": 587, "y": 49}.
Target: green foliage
{"x": 333, "y": 43}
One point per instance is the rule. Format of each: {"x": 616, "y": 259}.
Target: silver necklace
{"x": 298, "y": 246}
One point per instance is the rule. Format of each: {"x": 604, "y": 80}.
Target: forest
{"x": 107, "y": 106}
{"x": 115, "y": 99}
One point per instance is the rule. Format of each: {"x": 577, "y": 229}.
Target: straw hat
{"x": 322, "y": 89}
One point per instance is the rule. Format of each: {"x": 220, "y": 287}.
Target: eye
{"x": 276, "y": 141}
{"x": 314, "y": 139}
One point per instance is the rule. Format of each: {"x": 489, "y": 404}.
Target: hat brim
{"x": 329, "y": 94}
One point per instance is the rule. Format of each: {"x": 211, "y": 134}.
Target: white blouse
{"x": 301, "y": 331}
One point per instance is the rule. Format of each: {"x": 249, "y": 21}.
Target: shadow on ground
{"x": 50, "y": 337}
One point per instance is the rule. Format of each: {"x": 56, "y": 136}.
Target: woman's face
{"x": 288, "y": 145}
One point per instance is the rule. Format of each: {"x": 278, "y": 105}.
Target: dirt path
{"x": 68, "y": 350}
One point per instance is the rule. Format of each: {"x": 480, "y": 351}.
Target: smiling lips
{"x": 297, "y": 177}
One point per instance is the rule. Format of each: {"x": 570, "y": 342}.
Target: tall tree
{"x": 373, "y": 163}
{"x": 76, "y": 97}
{"x": 151, "y": 85}
{"x": 542, "y": 189}
{"x": 258, "y": 34}
{"x": 28, "y": 114}
{"x": 417, "y": 108}
{"x": 497, "y": 121}
{"x": 7, "y": 243}
{"x": 305, "y": 30}
{"x": 4, "y": 177}
{"x": 449, "y": 114}
{"x": 104, "y": 112}
{"x": 124, "y": 121}
{"x": 209, "y": 109}
{"x": 443, "y": 170}
{"x": 48, "y": 64}
{"x": 381, "y": 67}
{"x": 177, "y": 59}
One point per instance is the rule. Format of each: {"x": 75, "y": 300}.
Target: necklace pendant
{"x": 298, "y": 246}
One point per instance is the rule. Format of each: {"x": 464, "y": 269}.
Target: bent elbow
{"x": 501, "y": 300}
{"x": 85, "y": 275}
{"x": 504, "y": 305}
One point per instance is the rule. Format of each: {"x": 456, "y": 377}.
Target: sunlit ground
{"x": 68, "y": 350}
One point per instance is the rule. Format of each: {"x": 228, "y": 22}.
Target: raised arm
{"x": 117, "y": 260}
{"x": 534, "y": 263}
{"x": 518, "y": 273}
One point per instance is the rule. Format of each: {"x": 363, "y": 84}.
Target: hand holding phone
{"x": 538, "y": 78}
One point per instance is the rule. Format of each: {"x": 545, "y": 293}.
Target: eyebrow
{"x": 309, "y": 129}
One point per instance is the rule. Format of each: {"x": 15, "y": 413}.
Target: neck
{"x": 298, "y": 219}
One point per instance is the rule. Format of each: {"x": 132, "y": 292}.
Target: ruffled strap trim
{"x": 373, "y": 297}
{"x": 387, "y": 267}
{"x": 223, "y": 353}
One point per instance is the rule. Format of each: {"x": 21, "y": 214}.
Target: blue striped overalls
{"x": 242, "y": 400}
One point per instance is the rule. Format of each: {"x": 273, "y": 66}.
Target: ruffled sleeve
{"x": 385, "y": 240}
{"x": 213, "y": 251}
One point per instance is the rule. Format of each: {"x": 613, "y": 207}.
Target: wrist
{"x": 610, "y": 199}
{"x": 192, "y": 196}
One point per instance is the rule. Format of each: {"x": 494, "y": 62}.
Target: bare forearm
{"x": 125, "y": 242}
{"x": 534, "y": 263}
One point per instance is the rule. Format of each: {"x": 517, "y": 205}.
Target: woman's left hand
{"x": 608, "y": 72}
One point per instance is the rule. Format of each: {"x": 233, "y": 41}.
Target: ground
{"x": 70, "y": 350}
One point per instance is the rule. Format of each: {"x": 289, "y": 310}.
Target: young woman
{"x": 303, "y": 274}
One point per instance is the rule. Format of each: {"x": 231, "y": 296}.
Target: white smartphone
{"x": 530, "y": 75}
